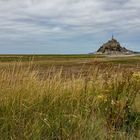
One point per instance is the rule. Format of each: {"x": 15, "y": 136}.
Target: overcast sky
{"x": 67, "y": 26}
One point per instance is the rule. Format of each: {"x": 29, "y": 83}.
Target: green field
{"x": 72, "y": 63}
{"x": 70, "y": 58}
{"x": 69, "y": 97}
{"x": 64, "y": 60}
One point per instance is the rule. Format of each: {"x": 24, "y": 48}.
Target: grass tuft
{"x": 102, "y": 105}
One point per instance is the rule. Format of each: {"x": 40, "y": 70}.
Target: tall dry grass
{"x": 101, "y": 105}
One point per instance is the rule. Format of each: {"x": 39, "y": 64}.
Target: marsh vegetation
{"x": 69, "y": 98}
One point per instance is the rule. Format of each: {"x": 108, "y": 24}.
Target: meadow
{"x": 69, "y": 97}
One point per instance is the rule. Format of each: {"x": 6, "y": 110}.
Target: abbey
{"x": 113, "y": 47}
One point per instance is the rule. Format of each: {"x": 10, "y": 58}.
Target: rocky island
{"x": 113, "y": 47}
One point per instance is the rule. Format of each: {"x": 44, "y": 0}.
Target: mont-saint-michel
{"x": 113, "y": 47}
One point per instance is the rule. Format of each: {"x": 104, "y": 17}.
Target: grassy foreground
{"x": 104, "y": 105}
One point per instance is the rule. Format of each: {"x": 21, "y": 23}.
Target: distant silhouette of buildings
{"x": 113, "y": 47}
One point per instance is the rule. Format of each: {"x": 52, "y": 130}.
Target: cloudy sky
{"x": 67, "y": 26}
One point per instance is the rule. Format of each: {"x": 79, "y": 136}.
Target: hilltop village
{"x": 113, "y": 47}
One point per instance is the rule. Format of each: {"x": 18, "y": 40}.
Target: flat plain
{"x": 72, "y": 61}
{"x": 59, "y": 97}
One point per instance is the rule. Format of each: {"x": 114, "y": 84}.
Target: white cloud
{"x": 87, "y": 13}
{"x": 64, "y": 18}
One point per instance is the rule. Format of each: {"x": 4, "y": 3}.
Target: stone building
{"x": 113, "y": 47}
